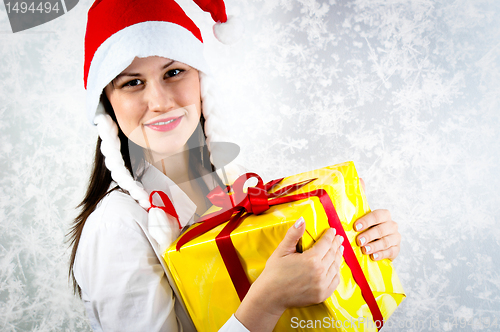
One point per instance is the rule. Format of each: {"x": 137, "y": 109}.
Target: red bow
{"x": 257, "y": 200}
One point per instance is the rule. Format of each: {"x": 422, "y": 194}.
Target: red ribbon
{"x": 257, "y": 200}
{"x": 167, "y": 207}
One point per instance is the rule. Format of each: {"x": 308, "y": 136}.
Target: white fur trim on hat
{"x": 140, "y": 40}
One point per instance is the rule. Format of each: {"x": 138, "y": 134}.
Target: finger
{"x": 335, "y": 265}
{"x": 288, "y": 245}
{"x": 370, "y": 219}
{"x": 339, "y": 257}
{"x": 362, "y": 184}
{"x": 324, "y": 244}
{"x": 382, "y": 244}
{"x": 331, "y": 273}
{"x": 377, "y": 232}
{"x": 328, "y": 287}
{"x": 389, "y": 253}
{"x": 330, "y": 256}
{"x": 333, "y": 285}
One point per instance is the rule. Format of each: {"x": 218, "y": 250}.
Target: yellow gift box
{"x": 205, "y": 286}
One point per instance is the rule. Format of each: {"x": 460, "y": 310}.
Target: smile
{"x": 164, "y": 124}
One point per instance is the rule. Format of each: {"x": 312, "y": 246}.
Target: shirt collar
{"x": 154, "y": 180}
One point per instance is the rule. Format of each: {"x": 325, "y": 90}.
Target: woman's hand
{"x": 312, "y": 275}
{"x": 379, "y": 236}
{"x": 292, "y": 279}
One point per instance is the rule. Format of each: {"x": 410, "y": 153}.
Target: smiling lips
{"x": 165, "y": 124}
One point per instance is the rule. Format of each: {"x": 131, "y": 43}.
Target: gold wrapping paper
{"x": 209, "y": 295}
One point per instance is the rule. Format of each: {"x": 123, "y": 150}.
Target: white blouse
{"x": 124, "y": 282}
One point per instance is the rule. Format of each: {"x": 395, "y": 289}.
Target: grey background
{"x": 408, "y": 90}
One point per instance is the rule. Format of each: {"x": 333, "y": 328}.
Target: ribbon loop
{"x": 219, "y": 197}
{"x": 239, "y": 194}
{"x": 167, "y": 207}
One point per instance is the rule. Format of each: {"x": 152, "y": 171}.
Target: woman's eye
{"x": 173, "y": 72}
{"x": 135, "y": 82}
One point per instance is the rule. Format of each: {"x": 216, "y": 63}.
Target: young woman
{"x": 149, "y": 93}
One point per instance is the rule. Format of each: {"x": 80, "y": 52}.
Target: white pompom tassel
{"x": 163, "y": 228}
{"x": 230, "y": 31}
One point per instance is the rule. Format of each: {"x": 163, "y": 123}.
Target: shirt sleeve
{"x": 123, "y": 282}
{"x": 124, "y": 287}
{"x": 233, "y": 325}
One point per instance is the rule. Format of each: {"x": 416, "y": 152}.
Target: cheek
{"x": 127, "y": 115}
{"x": 188, "y": 93}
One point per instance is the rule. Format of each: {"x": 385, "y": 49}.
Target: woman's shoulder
{"x": 113, "y": 239}
{"x": 116, "y": 212}
{"x": 117, "y": 224}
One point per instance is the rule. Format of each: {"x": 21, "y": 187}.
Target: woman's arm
{"x": 122, "y": 281}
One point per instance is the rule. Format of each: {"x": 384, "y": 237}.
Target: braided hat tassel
{"x": 162, "y": 227}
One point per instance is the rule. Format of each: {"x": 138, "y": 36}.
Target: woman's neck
{"x": 177, "y": 168}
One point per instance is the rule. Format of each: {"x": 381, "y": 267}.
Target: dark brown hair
{"x": 100, "y": 178}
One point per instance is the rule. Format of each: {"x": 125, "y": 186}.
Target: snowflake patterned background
{"x": 407, "y": 89}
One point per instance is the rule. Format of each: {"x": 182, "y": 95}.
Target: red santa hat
{"x": 120, "y": 30}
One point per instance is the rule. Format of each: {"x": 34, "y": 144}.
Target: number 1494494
{"x": 32, "y": 7}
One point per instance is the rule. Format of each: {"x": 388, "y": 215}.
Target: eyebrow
{"x": 136, "y": 74}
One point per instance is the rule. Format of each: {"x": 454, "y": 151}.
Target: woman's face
{"x": 157, "y": 104}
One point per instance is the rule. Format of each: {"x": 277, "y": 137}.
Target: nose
{"x": 158, "y": 97}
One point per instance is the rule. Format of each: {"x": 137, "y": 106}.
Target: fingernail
{"x": 368, "y": 249}
{"x": 358, "y": 227}
{"x": 341, "y": 239}
{"x": 342, "y": 249}
{"x": 362, "y": 240}
{"x": 375, "y": 256}
{"x": 299, "y": 222}
{"x": 334, "y": 231}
